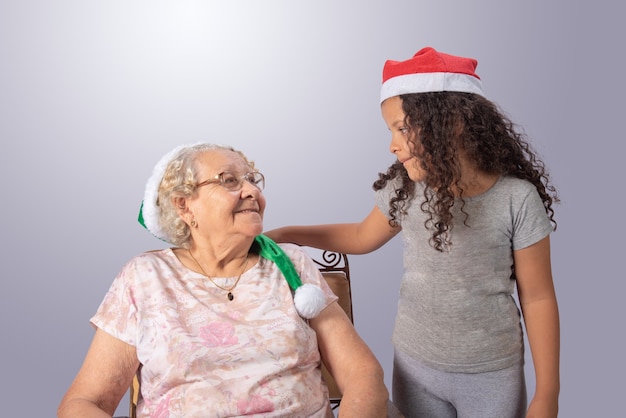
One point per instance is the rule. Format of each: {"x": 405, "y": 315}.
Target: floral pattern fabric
{"x": 205, "y": 356}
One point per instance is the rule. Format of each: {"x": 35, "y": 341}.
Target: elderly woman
{"x": 211, "y": 324}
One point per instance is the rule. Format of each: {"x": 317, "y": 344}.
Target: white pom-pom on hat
{"x": 309, "y": 300}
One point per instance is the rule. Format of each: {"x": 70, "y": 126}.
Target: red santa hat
{"x": 428, "y": 71}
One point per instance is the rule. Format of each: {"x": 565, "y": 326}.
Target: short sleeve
{"x": 117, "y": 314}
{"x": 531, "y": 223}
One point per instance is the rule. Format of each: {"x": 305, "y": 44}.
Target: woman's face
{"x": 221, "y": 213}
{"x": 401, "y": 145}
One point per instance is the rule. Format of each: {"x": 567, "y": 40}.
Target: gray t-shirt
{"x": 456, "y": 310}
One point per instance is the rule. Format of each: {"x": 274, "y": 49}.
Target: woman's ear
{"x": 180, "y": 203}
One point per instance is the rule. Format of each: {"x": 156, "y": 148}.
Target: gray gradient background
{"x": 93, "y": 93}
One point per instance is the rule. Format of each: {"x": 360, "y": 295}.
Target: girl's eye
{"x": 404, "y": 130}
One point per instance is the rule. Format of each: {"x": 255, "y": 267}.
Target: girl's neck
{"x": 474, "y": 182}
{"x": 479, "y": 184}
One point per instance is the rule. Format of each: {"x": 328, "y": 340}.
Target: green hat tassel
{"x": 308, "y": 298}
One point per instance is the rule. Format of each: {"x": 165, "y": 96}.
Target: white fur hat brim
{"x": 150, "y": 210}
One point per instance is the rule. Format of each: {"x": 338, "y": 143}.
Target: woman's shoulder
{"x": 151, "y": 267}
{"x": 299, "y": 256}
{"x": 292, "y": 250}
{"x": 164, "y": 255}
{"x": 155, "y": 254}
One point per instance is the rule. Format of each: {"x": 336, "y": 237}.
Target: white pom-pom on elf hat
{"x": 309, "y": 300}
{"x": 430, "y": 71}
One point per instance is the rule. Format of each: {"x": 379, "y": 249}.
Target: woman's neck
{"x": 224, "y": 263}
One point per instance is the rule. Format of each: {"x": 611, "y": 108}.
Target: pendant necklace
{"x": 229, "y": 295}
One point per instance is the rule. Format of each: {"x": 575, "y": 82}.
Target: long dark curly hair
{"x": 445, "y": 125}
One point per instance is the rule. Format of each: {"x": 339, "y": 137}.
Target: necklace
{"x": 230, "y": 295}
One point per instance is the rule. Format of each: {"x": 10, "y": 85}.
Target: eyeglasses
{"x": 232, "y": 182}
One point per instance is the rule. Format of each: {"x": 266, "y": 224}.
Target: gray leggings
{"x": 419, "y": 391}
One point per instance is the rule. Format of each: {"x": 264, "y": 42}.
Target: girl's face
{"x": 401, "y": 145}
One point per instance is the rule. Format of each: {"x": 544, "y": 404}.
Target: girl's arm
{"x": 537, "y": 297}
{"x": 350, "y": 238}
{"x": 103, "y": 379}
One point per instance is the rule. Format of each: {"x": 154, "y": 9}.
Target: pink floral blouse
{"x": 205, "y": 356}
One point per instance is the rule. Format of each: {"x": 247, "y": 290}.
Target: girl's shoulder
{"x": 514, "y": 181}
{"x": 517, "y": 194}
{"x": 513, "y": 185}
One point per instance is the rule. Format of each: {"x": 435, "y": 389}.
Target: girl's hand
{"x": 543, "y": 408}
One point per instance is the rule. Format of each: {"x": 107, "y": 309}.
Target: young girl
{"x": 474, "y": 204}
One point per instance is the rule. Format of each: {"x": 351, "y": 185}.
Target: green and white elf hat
{"x": 149, "y": 211}
{"x": 309, "y": 299}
